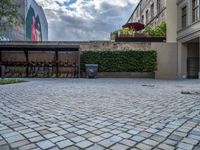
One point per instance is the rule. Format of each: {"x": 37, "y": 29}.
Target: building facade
{"x": 34, "y": 26}
{"x": 152, "y": 12}
{"x": 183, "y": 34}
{"x": 188, "y": 38}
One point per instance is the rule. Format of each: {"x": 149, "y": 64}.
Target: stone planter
{"x": 150, "y": 75}
{"x": 126, "y": 75}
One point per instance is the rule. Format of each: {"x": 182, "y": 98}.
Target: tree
{"x": 8, "y": 14}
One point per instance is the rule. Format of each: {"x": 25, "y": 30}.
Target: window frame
{"x": 195, "y": 10}
{"x": 143, "y": 19}
{"x": 152, "y": 11}
{"x": 147, "y": 16}
{"x": 184, "y": 16}
{"x": 158, "y": 6}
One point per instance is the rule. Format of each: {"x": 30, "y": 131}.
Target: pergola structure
{"x": 49, "y": 58}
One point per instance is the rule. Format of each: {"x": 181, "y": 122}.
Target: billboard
{"x": 36, "y": 26}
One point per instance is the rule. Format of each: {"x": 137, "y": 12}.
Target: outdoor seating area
{"x": 138, "y": 32}
{"x": 38, "y": 61}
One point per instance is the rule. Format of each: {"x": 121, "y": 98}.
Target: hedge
{"x": 120, "y": 61}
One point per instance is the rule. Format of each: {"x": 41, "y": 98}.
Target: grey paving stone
{"x": 106, "y": 135}
{"x": 50, "y": 135}
{"x": 72, "y": 129}
{"x": 54, "y": 148}
{"x": 72, "y": 148}
{"x": 44, "y": 131}
{"x": 65, "y": 143}
{"x": 77, "y": 139}
{"x": 45, "y": 144}
{"x": 106, "y": 143}
{"x": 96, "y": 139}
{"x": 171, "y": 142}
{"x": 128, "y": 142}
{"x": 133, "y": 132}
{"x": 81, "y": 132}
{"x": 31, "y": 134}
{"x": 158, "y": 138}
{"x": 10, "y": 134}
{"x": 19, "y": 144}
{"x": 145, "y": 134}
{"x": 119, "y": 147}
{"x": 138, "y": 138}
{"x": 95, "y": 147}
{"x": 27, "y": 147}
{"x": 125, "y": 135}
{"x": 14, "y": 138}
{"x": 88, "y": 135}
{"x": 163, "y": 133}
{"x": 185, "y": 146}
{"x": 36, "y": 139}
{"x": 100, "y": 113}
{"x": 152, "y": 130}
{"x": 194, "y": 137}
{"x": 84, "y": 144}
{"x": 143, "y": 146}
{"x": 57, "y": 139}
{"x": 2, "y": 142}
{"x": 166, "y": 147}
{"x": 175, "y": 137}
{"x": 115, "y": 138}
{"x": 151, "y": 142}
{"x": 190, "y": 141}
{"x": 61, "y": 132}
{"x": 4, "y": 147}
{"x": 70, "y": 135}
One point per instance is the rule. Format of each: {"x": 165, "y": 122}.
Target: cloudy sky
{"x": 85, "y": 19}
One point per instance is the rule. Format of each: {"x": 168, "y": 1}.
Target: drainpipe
{"x": 199, "y": 57}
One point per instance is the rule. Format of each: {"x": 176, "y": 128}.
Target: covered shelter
{"x": 40, "y": 59}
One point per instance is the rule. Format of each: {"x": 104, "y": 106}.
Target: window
{"x": 195, "y": 10}
{"x": 184, "y": 17}
{"x": 147, "y": 16}
{"x": 158, "y": 6}
{"x": 143, "y": 19}
{"x": 152, "y": 11}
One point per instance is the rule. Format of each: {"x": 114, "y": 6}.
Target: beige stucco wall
{"x": 167, "y": 54}
{"x": 171, "y": 20}
{"x": 112, "y": 46}
{"x": 166, "y": 60}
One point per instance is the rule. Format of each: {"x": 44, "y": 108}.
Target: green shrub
{"x": 126, "y": 31}
{"x": 158, "y": 31}
{"x": 120, "y": 61}
{"x": 10, "y": 81}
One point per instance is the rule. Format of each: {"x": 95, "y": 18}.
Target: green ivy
{"x": 158, "y": 31}
{"x": 120, "y": 61}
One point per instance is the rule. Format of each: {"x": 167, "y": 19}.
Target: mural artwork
{"x": 33, "y": 26}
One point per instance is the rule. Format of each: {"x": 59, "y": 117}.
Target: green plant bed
{"x": 10, "y": 81}
{"x": 158, "y": 31}
{"x": 121, "y": 61}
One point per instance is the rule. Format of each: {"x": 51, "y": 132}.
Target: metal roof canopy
{"x": 27, "y": 46}
{"x": 37, "y": 46}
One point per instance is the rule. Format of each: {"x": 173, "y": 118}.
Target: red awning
{"x": 135, "y": 25}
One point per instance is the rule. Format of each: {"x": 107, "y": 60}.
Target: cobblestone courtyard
{"x": 100, "y": 114}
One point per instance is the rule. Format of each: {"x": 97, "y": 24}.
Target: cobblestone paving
{"x": 115, "y": 114}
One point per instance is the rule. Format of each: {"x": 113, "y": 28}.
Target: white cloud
{"x": 85, "y": 19}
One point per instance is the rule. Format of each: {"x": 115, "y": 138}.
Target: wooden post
{"x": 57, "y": 65}
{"x": 79, "y": 62}
{"x": 27, "y": 62}
{"x": 0, "y": 57}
